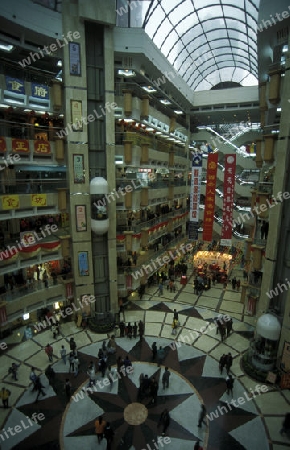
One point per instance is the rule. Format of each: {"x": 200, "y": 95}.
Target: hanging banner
{"x": 41, "y": 147}
{"x": 228, "y": 203}
{"x": 208, "y": 217}
{"x": 15, "y": 85}
{"x": 38, "y": 200}
{"x": 195, "y": 197}
{"x": 20, "y": 145}
{"x": 10, "y": 202}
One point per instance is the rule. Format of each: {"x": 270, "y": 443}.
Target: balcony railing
{"x": 150, "y": 223}
{"x": 28, "y": 288}
{"x": 32, "y": 186}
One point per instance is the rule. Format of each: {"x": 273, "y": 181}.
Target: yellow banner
{"x": 10, "y": 201}
{"x": 38, "y": 199}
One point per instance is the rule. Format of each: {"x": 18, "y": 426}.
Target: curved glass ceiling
{"x": 207, "y": 41}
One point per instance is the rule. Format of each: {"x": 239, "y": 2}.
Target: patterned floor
{"x": 195, "y": 378}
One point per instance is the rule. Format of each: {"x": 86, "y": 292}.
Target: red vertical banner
{"x": 208, "y": 218}
{"x": 228, "y": 203}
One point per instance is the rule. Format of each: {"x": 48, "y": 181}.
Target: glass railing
{"x": 32, "y": 186}
{"x": 150, "y": 223}
{"x": 28, "y": 288}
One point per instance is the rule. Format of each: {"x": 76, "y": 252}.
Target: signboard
{"x": 38, "y": 200}
{"x": 83, "y": 263}
{"x": 74, "y": 59}
{"x": 39, "y": 91}
{"x": 208, "y": 218}
{"x": 196, "y": 174}
{"x": 226, "y": 242}
{"x": 81, "y": 218}
{"x": 285, "y": 381}
{"x": 42, "y": 147}
{"x": 2, "y": 145}
{"x": 10, "y": 202}
{"x": 229, "y": 189}
{"x": 20, "y": 145}
{"x": 15, "y": 85}
{"x": 78, "y": 167}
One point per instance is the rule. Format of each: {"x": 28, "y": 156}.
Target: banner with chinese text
{"x": 229, "y": 190}
{"x": 2, "y": 145}
{"x": 20, "y": 145}
{"x": 10, "y": 201}
{"x": 195, "y": 197}
{"x": 38, "y": 200}
{"x": 42, "y": 147}
{"x": 208, "y": 218}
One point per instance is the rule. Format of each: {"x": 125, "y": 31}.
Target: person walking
{"x": 71, "y": 359}
{"x": 33, "y": 377}
{"x": 154, "y": 351}
{"x": 141, "y": 329}
{"x": 72, "y": 345}
{"x": 49, "y": 351}
{"x": 153, "y": 390}
{"x": 67, "y": 389}
{"x": 164, "y": 420}
{"x": 160, "y": 355}
{"x": 100, "y": 425}
{"x": 165, "y": 378}
{"x": 201, "y": 417}
{"x": 135, "y": 329}
{"x": 174, "y": 326}
{"x": 230, "y": 384}
{"x": 160, "y": 289}
{"x": 229, "y": 326}
{"x": 109, "y": 435}
{"x": 122, "y": 329}
{"x": 39, "y": 388}
{"x": 222, "y": 362}
{"x": 76, "y": 364}
{"x": 286, "y": 424}
{"x": 13, "y": 371}
{"x": 4, "y": 395}
{"x": 63, "y": 354}
{"x": 175, "y": 315}
{"x": 229, "y": 362}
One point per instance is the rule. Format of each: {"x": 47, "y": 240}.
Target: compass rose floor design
{"x": 195, "y": 379}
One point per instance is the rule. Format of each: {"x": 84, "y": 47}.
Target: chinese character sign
{"x": 195, "y": 196}
{"x": 229, "y": 190}
{"x": 41, "y": 147}
{"x": 20, "y": 145}
{"x": 209, "y": 208}
{"x": 39, "y": 91}
{"x": 15, "y": 85}
{"x": 10, "y": 202}
{"x": 38, "y": 200}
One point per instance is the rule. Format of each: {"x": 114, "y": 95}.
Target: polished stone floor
{"x": 192, "y": 357}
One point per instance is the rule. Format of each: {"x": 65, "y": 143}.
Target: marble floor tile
{"x": 154, "y": 316}
{"x": 232, "y": 296}
{"x": 232, "y": 307}
{"x": 208, "y": 302}
{"x": 153, "y": 329}
{"x": 222, "y": 348}
{"x": 205, "y": 343}
{"x": 271, "y": 401}
{"x": 238, "y": 342}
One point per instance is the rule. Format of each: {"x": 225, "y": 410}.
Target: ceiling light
{"x": 279, "y": 109}
{"x": 285, "y": 48}
{"x": 158, "y": 132}
{"x": 178, "y": 111}
{"x": 126, "y": 73}
{"x": 6, "y": 47}
{"x": 149, "y": 129}
{"x": 59, "y": 63}
{"x": 164, "y": 101}
{"x": 150, "y": 89}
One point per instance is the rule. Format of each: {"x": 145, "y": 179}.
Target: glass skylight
{"x": 207, "y": 42}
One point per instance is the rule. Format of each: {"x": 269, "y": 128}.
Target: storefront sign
{"x": 10, "y": 202}
{"x": 39, "y": 91}
{"x": 81, "y": 218}
{"x": 195, "y": 197}
{"x": 83, "y": 264}
{"x": 38, "y": 200}
{"x": 78, "y": 166}
{"x": 15, "y": 85}
{"x": 20, "y": 145}
{"x": 42, "y": 147}
{"x": 2, "y": 145}
{"x": 229, "y": 189}
{"x": 208, "y": 218}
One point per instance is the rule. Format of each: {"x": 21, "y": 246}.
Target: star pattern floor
{"x": 194, "y": 379}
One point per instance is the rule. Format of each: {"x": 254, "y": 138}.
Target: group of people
{"x": 132, "y": 330}
{"x": 224, "y": 328}
{"x": 236, "y": 284}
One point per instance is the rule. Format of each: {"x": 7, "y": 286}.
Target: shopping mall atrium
{"x": 144, "y": 224}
